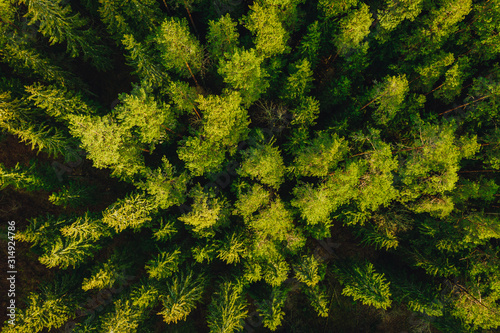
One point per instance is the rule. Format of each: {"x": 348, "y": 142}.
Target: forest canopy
{"x": 237, "y": 165}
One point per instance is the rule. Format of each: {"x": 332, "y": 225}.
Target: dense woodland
{"x": 256, "y": 166}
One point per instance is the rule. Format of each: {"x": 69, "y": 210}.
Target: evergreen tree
{"x": 362, "y": 282}
{"x": 227, "y": 309}
{"x": 222, "y": 37}
{"x": 387, "y": 98}
{"x": 263, "y": 163}
{"x": 208, "y": 212}
{"x": 353, "y": 30}
{"x": 65, "y": 252}
{"x": 244, "y": 73}
{"x": 59, "y": 24}
{"x": 272, "y": 309}
{"x": 181, "y": 295}
{"x": 164, "y": 265}
{"x": 180, "y": 51}
{"x": 131, "y": 212}
{"x": 270, "y": 36}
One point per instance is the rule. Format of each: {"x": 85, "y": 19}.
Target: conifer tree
{"x": 59, "y": 102}
{"x": 106, "y": 275}
{"x": 181, "y": 295}
{"x": 208, "y": 212}
{"x": 307, "y": 271}
{"x": 222, "y": 37}
{"x": 362, "y": 282}
{"x": 272, "y": 309}
{"x": 142, "y": 58}
{"x": 59, "y": 24}
{"x": 331, "y": 8}
{"x": 353, "y": 30}
{"x": 180, "y": 51}
{"x": 20, "y": 178}
{"x": 65, "y": 252}
{"x": 396, "y": 12}
{"x": 263, "y": 163}
{"x": 164, "y": 265}
{"x": 318, "y": 299}
{"x": 227, "y": 310}
{"x": 244, "y": 73}
{"x": 387, "y": 98}
{"x": 320, "y": 156}
{"x": 270, "y": 36}
{"x": 299, "y": 82}
{"x": 49, "y": 308}
{"x": 132, "y": 212}
{"x": 86, "y": 228}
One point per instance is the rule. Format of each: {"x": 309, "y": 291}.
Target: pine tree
{"x": 208, "y": 212}
{"x": 180, "y": 297}
{"x": 265, "y": 164}
{"x": 227, "y": 310}
{"x": 164, "y": 265}
{"x": 244, "y": 73}
{"x": 222, "y": 37}
{"x": 299, "y": 82}
{"x": 142, "y": 58}
{"x": 353, "y": 30}
{"x": 65, "y": 252}
{"x": 320, "y": 156}
{"x": 49, "y": 308}
{"x": 108, "y": 144}
{"x": 86, "y": 228}
{"x": 272, "y": 309}
{"x": 270, "y": 36}
{"x": 131, "y": 212}
{"x": 310, "y": 44}
{"x": 396, "y": 12}
{"x": 318, "y": 299}
{"x": 232, "y": 248}
{"x": 59, "y": 24}
{"x": 307, "y": 271}
{"x": 72, "y": 195}
{"x": 388, "y": 97}
{"x": 21, "y": 178}
{"x": 106, "y": 275}
{"x": 251, "y": 200}
{"x": 59, "y": 102}
{"x": 331, "y": 8}
{"x": 165, "y": 189}
{"x": 180, "y": 51}
{"x": 362, "y": 282}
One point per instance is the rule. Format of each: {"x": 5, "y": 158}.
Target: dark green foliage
{"x": 281, "y": 160}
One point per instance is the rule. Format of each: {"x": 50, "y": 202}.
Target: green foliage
{"x": 227, "y": 310}
{"x": 86, "y": 228}
{"x": 64, "y": 252}
{"x": 180, "y": 51}
{"x": 310, "y": 44}
{"x": 250, "y": 201}
{"x": 73, "y": 195}
{"x": 307, "y": 271}
{"x": 243, "y": 72}
{"x": 105, "y": 275}
{"x": 299, "y": 82}
{"x": 21, "y": 178}
{"x": 396, "y": 12}
{"x": 131, "y": 212}
{"x": 320, "y": 156}
{"x": 164, "y": 265}
{"x": 318, "y": 299}
{"x": 59, "y": 24}
{"x": 272, "y": 309}
{"x": 208, "y": 212}
{"x": 181, "y": 295}
{"x": 58, "y": 102}
{"x": 265, "y": 164}
{"x": 361, "y": 282}
{"x": 164, "y": 187}
{"x": 49, "y": 308}
{"x": 388, "y": 97}
{"x": 331, "y": 8}
{"x": 353, "y": 30}
{"x": 222, "y": 37}
{"x": 270, "y": 35}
